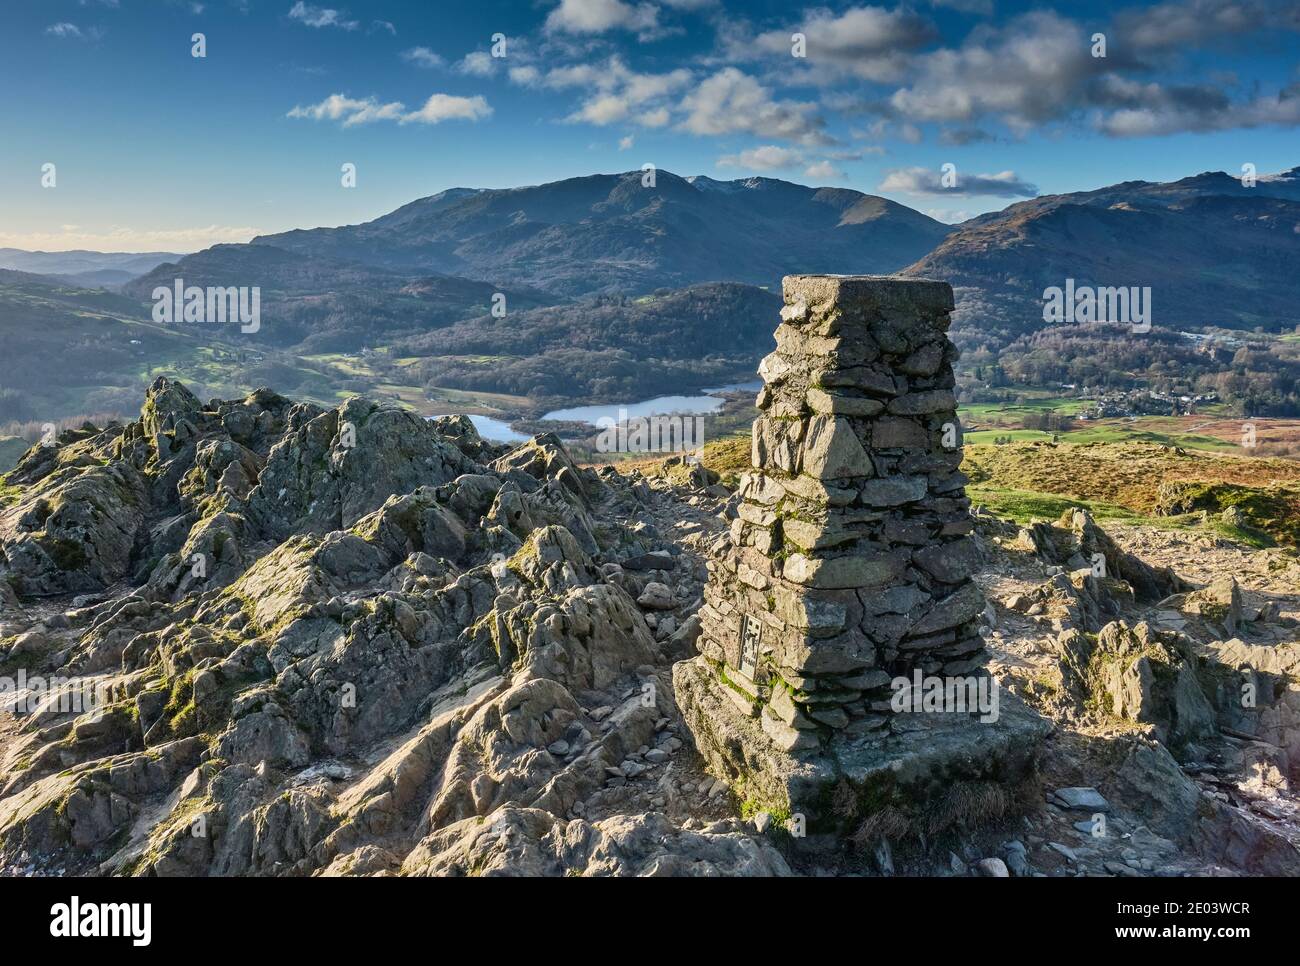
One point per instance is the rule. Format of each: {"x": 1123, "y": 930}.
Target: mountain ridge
{"x": 605, "y": 233}
{"x": 1213, "y": 252}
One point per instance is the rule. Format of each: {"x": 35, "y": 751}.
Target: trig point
{"x": 849, "y": 563}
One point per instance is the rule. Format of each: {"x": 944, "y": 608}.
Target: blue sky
{"x": 155, "y": 149}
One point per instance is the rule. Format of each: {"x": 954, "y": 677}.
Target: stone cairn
{"x": 850, "y": 560}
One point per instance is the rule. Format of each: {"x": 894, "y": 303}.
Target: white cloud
{"x": 625, "y": 143}
{"x": 526, "y": 76}
{"x": 422, "y": 57}
{"x": 732, "y": 102}
{"x": 928, "y": 181}
{"x": 949, "y": 216}
{"x": 481, "y": 63}
{"x": 727, "y": 102}
{"x": 1037, "y": 68}
{"x": 448, "y": 107}
{"x": 773, "y": 157}
{"x": 822, "y": 169}
{"x": 1170, "y": 112}
{"x": 1165, "y": 26}
{"x": 340, "y": 107}
{"x": 600, "y": 16}
{"x": 1150, "y": 109}
{"x": 1031, "y": 70}
{"x": 477, "y": 63}
{"x": 1027, "y": 71}
{"x": 605, "y": 109}
{"x": 321, "y": 17}
{"x": 70, "y": 31}
{"x": 870, "y": 43}
{"x": 615, "y": 92}
{"x": 352, "y": 111}
{"x": 377, "y": 25}
{"x": 769, "y": 157}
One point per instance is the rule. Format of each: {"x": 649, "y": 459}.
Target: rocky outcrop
{"x": 334, "y": 467}
{"x": 531, "y": 842}
{"x": 75, "y": 533}
{"x": 1076, "y": 542}
{"x": 349, "y": 641}
{"x": 1081, "y": 600}
{"x": 1143, "y": 675}
{"x": 1255, "y": 689}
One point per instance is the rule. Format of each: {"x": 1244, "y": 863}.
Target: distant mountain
{"x": 109, "y": 278}
{"x": 614, "y": 290}
{"x": 82, "y": 262}
{"x": 688, "y": 323}
{"x": 320, "y": 304}
{"x": 70, "y": 351}
{"x": 608, "y": 234}
{"x": 606, "y": 348}
{"x": 1215, "y": 253}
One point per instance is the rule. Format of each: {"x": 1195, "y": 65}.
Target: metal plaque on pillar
{"x": 751, "y": 634}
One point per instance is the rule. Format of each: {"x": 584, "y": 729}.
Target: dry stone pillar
{"x": 850, "y": 561}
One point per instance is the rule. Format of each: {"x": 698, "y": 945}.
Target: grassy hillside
{"x": 11, "y": 449}
{"x": 1141, "y": 482}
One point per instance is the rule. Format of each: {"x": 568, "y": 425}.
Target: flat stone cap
{"x": 883, "y": 291}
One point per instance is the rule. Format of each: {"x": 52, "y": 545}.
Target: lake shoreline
{"x": 579, "y": 421}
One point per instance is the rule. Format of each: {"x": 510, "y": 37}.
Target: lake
{"x": 499, "y": 431}
{"x": 705, "y": 402}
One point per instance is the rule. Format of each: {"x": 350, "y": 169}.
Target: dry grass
{"x": 971, "y": 804}
{"x": 1122, "y": 474}
{"x": 728, "y": 457}
{"x": 884, "y": 823}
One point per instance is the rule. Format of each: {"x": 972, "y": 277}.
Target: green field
{"x": 1143, "y": 429}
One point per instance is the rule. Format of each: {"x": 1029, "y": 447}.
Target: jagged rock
{"x": 656, "y": 596}
{"x": 1080, "y": 599}
{"x": 1256, "y": 691}
{"x": 460, "y": 430}
{"x": 1081, "y": 799}
{"x": 1148, "y": 781}
{"x": 1220, "y": 603}
{"x": 1076, "y": 541}
{"x": 515, "y": 841}
{"x": 544, "y": 458}
{"x": 76, "y": 534}
{"x": 335, "y": 467}
{"x": 265, "y": 736}
{"x": 1143, "y": 675}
